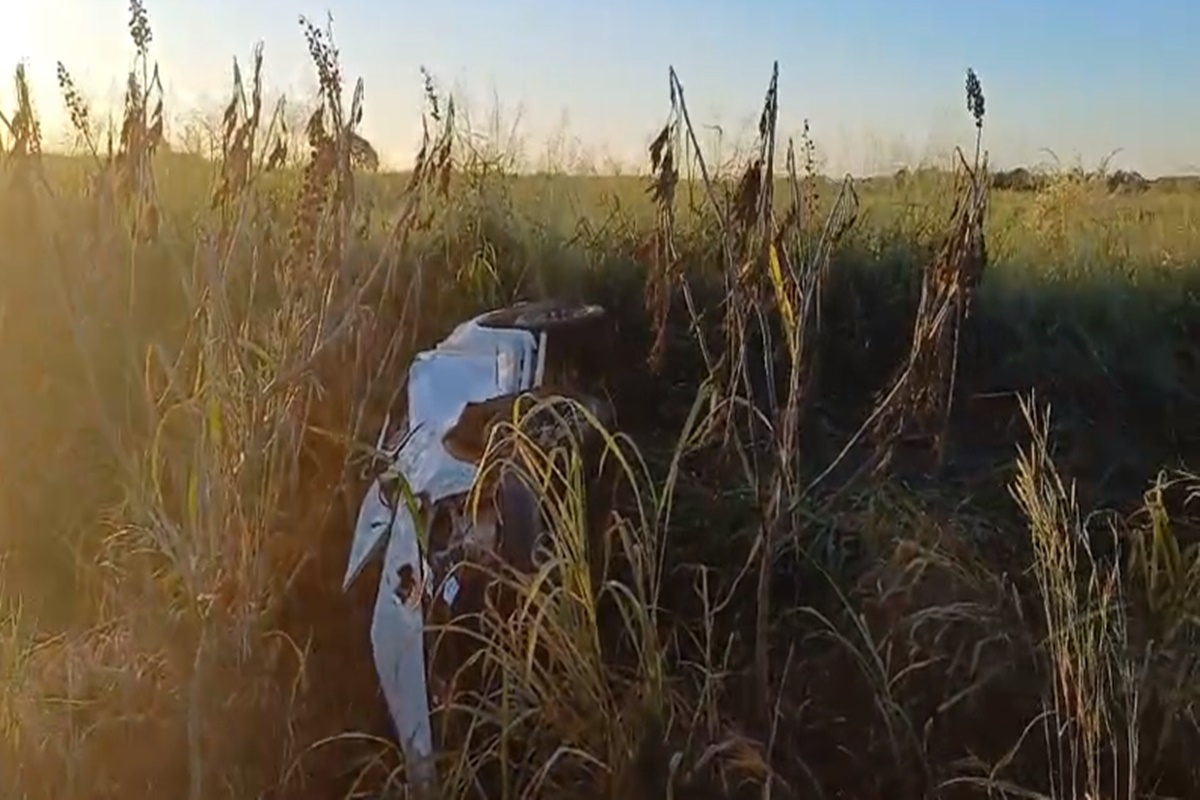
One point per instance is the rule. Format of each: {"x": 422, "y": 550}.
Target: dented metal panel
{"x": 473, "y": 364}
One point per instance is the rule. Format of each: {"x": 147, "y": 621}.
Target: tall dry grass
{"x": 196, "y": 351}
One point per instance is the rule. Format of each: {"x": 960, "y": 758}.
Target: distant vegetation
{"x": 857, "y": 555}
{"x": 1025, "y": 180}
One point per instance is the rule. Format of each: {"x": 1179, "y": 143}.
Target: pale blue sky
{"x": 881, "y": 80}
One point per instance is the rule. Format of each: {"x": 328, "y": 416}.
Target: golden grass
{"x": 195, "y": 350}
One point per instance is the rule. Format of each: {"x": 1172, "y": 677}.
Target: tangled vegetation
{"x": 855, "y": 554}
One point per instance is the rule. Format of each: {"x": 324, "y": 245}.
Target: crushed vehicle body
{"x": 497, "y": 355}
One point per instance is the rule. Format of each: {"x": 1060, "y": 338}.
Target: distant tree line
{"x": 1022, "y": 179}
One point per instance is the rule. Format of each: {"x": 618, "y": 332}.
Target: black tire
{"x": 542, "y": 315}
{"x": 521, "y": 530}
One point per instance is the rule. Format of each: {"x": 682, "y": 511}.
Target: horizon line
{"x": 515, "y": 168}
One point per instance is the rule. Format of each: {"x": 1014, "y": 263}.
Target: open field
{"x": 196, "y": 353}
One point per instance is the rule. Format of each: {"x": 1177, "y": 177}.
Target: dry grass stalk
{"x": 665, "y": 263}
{"x": 335, "y": 150}
{"x": 1091, "y": 708}
{"x": 123, "y": 184}
{"x": 24, "y": 130}
{"x": 917, "y": 405}
{"x": 20, "y": 156}
{"x": 766, "y": 289}
{"x": 141, "y": 132}
{"x": 240, "y": 124}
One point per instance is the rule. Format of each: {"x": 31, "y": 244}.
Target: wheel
{"x": 520, "y": 529}
{"x": 542, "y": 315}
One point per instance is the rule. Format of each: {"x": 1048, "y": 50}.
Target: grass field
{"x": 197, "y": 352}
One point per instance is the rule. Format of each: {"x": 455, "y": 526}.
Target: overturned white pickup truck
{"x": 496, "y": 356}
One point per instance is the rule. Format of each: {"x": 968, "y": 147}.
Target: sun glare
{"x": 31, "y": 34}
{"x": 17, "y": 36}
